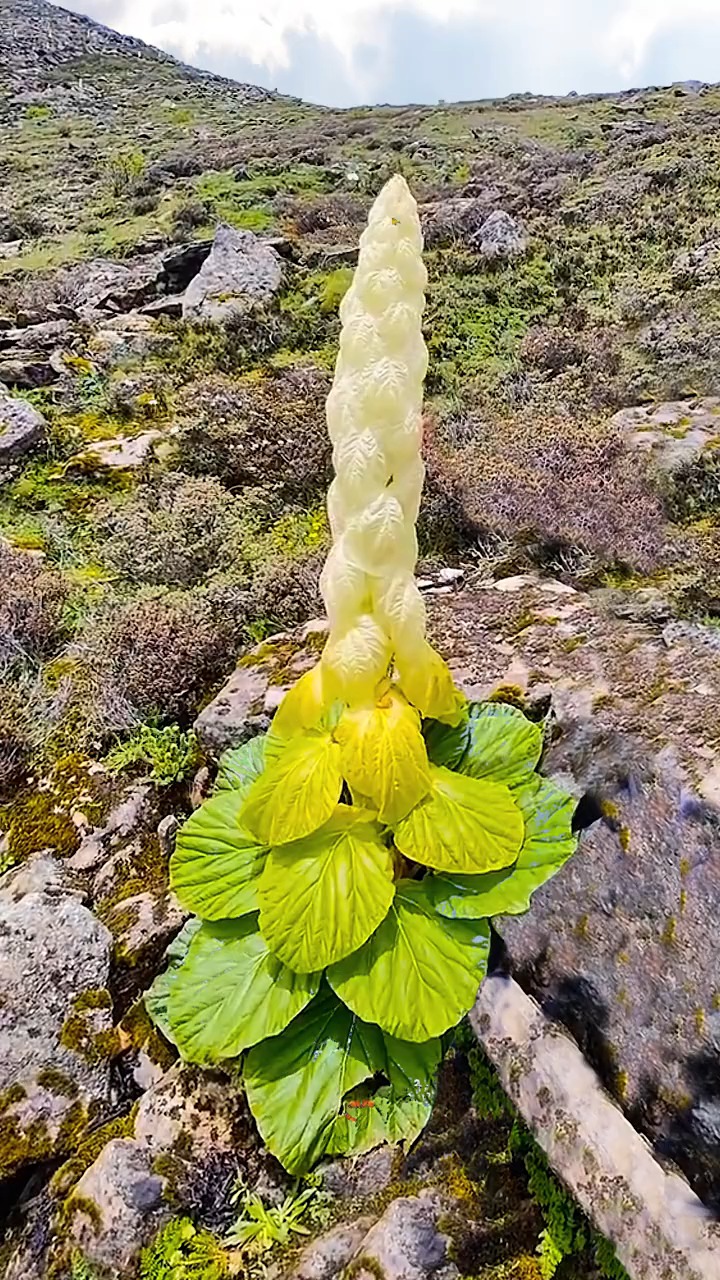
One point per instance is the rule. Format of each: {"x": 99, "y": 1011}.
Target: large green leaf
{"x": 418, "y": 974}
{"x": 216, "y": 864}
{"x": 494, "y": 741}
{"x": 321, "y": 897}
{"x": 504, "y": 745}
{"x": 446, "y": 744}
{"x": 296, "y": 1081}
{"x": 232, "y": 992}
{"x": 297, "y": 792}
{"x": 464, "y": 824}
{"x": 157, "y": 997}
{"x": 239, "y": 767}
{"x": 397, "y": 1111}
{"x": 549, "y": 842}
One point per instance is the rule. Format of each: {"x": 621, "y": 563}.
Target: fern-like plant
{"x": 344, "y": 873}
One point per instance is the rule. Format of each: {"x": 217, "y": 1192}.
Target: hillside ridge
{"x": 36, "y": 37}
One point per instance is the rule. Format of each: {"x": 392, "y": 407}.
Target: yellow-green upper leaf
{"x": 426, "y": 682}
{"x": 321, "y": 897}
{"x": 297, "y": 792}
{"x": 303, "y": 706}
{"x": 464, "y": 824}
{"x": 384, "y": 756}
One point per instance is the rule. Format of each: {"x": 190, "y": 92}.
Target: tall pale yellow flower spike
{"x": 375, "y": 610}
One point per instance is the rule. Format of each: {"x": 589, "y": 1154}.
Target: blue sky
{"x": 347, "y": 52}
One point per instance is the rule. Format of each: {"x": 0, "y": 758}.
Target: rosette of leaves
{"x": 343, "y": 875}
{"x": 341, "y": 931}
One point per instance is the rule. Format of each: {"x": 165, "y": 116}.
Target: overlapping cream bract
{"x": 375, "y": 610}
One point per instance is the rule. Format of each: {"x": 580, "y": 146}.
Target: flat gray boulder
{"x": 22, "y": 426}
{"x": 240, "y": 270}
{"x": 674, "y": 434}
{"x": 101, "y": 286}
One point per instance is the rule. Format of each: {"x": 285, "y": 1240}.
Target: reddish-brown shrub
{"x": 31, "y": 603}
{"x": 270, "y": 431}
{"x": 325, "y": 212}
{"x": 156, "y": 657}
{"x": 553, "y": 484}
{"x": 14, "y": 744}
{"x": 173, "y": 532}
{"x": 286, "y": 592}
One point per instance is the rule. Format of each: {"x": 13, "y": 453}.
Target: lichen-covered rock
{"x": 22, "y": 426}
{"x": 671, "y": 434}
{"x": 247, "y": 701}
{"x": 325, "y": 1258}
{"x": 144, "y": 924}
{"x": 500, "y": 237}
{"x": 191, "y": 1111}
{"x": 133, "y": 811}
{"x": 123, "y": 453}
{"x": 659, "y": 1228}
{"x": 117, "y": 1206}
{"x": 700, "y": 264}
{"x": 457, "y": 219}
{"x": 236, "y": 714}
{"x": 240, "y": 271}
{"x": 55, "y": 1023}
{"x": 39, "y": 874}
{"x": 192, "y": 1135}
{"x": 100, "y": 286}
{"x": 406, "y": 1243}
{"x": 181, "y": 263}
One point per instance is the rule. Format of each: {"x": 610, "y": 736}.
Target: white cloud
{"x": 346, "y": 51}
{"x": 260, "y": 29}
{"x": 632, "y": 31}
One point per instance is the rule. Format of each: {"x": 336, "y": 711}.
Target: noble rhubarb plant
{"x": 343, "y": 874}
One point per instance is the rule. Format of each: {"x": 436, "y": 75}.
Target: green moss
{"x": 42, "y": 818}
{"x": 170, "y": 1166}
{"x": 511, "y": 694}
{"x": 582, "y": 928}
{"x": 278, "y": 658}
{"x": 573, "y": 643}
{"x": 145, "y": 871}
{"x": 139, "y": 1031}
{"x": 57, "y": 1082}
{"x": 669, "y": 933}
{"x": 71, "y": 1208}
{"x": 79, "y": 1034}
{"x": 364, "y": 1264}
{"x": 14, "y": 1093}
{"x": 93, "y": 998}
{"x": 22, "y": 1145}
{"x": 93, "y": 1046}
{"x": 72, "y": 1127}
{"x": 88, "y": 1150}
